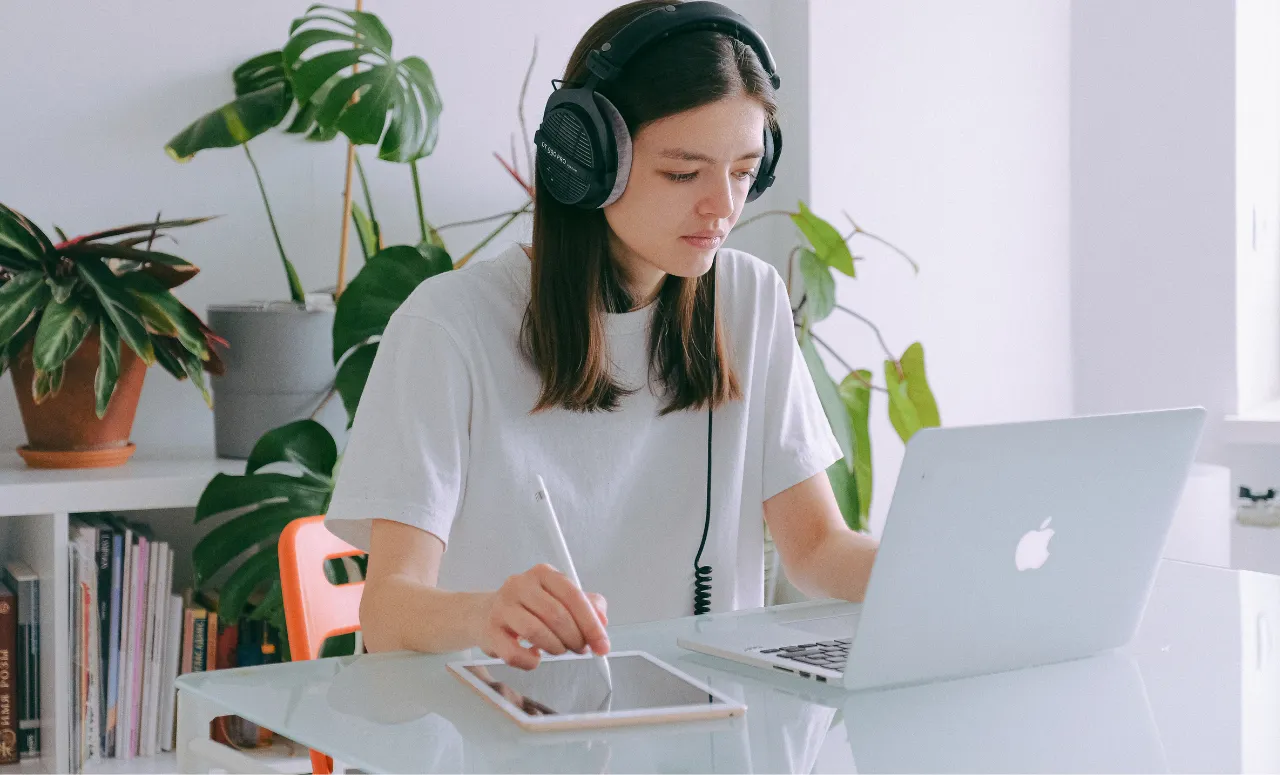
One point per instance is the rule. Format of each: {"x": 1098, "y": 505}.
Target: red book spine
{"x": 8, "y": 676}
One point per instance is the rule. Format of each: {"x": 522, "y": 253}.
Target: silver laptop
{"x": 1005, "y": 546}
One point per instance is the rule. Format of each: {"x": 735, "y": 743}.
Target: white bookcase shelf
{"x": 35, "y": 506}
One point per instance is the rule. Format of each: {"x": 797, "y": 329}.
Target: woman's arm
{"x": 823, "y": 557}
{"x": 400, "y": 595}
{"x": 402, "y": 608}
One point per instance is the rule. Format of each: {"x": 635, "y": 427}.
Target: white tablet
{"x": 570, "y": 692}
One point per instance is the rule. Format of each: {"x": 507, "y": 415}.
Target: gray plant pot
{"x": 279, "y": 369}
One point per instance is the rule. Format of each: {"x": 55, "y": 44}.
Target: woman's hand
{"x": 543, "y": 607}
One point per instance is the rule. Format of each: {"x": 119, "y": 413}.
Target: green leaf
{"x": 379, "y": 289}
{"x": 829, "y": 395}
{"x": 272, "y": 500}
{"x": 911, "y": 402}
{"x": 271, "y": 606}
{"x": 167, "y": 357}
{"x": 141, "y": 228}
{"x": 819, "y": 286}
{"x": 120, "y": 307}
{"x": 108, "y": 373}
{"x": 257, "y": 73}
{"x": 21, "y": 242}
{"x": 166, "y": 315}
{"x": 21, "y": 297}
{"x": 188, "y": 362}
{"x": 845, "y": 486}
{"x": 398, "y": 105}
{"x": 827, "y": 243}
{"x": 855, "y": 391}
{"x": 169, "y": 270}
{"x": 46, "y": 385}
{"x": 233, "y": 124}
{"x": 63, "y": 329}
{"x": 367, "y": 231}
{"x": 305, "y": 443}
{"x": 13, "y": 348}
{"x": 262, "y": 566}
{"x": 353, "y": 373}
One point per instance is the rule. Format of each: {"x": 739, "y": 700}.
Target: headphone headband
{"x": 660, "y": 23}
{"x": 584, "y": 147}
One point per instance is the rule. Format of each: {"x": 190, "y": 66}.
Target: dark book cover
{"x": 19, "y": 577}
{"x": 8, "y": 676}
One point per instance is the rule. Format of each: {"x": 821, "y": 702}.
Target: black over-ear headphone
{"x": 584, "y": 148}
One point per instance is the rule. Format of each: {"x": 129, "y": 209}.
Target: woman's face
{"x": 689, "y": 178}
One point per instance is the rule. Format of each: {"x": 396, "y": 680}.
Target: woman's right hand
{"x": 543, "y": 607}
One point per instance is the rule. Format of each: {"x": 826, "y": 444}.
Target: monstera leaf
{"x": 387, "y": 102}
{"x": 365, "y": 308}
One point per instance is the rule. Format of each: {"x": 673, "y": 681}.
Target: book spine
{"x": 103, "y": 559}
{"x": 188, "y": 633}
{"x": 198, "y": 641}
{"x": 139, "y": 645}
{"x": 9, "y": 753}
{"x": 113, "y": 639}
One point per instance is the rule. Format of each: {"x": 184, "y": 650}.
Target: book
{"x": 84, "y": 536}
{"x": 198, "y": 643}
{"x": 120, "y": 538}
{"x": 103, "y": 563}
{"x": 146, "y": 567}
{"x": 173, "y": 648}
{"x": 128, "y": 580}
{"x": 9, "y": 750}
{"x": 188, "y": 634}
{"x": 19, "y": 577}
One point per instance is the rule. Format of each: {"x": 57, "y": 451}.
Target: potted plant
{"x": 80, "y": 321}
{"x": 335, "y": 75}
{"x": 847, "y": 401}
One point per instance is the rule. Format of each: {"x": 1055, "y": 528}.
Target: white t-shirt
{"x": 444, "y": 440}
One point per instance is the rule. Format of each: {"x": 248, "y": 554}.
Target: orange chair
{"x": 315, "y": 609}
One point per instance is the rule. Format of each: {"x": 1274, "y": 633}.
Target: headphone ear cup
{"x": 621, "y": 143}
{"x": 768, "y": 162}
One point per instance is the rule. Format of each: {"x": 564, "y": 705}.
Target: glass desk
{"x": 1197, "y": 690}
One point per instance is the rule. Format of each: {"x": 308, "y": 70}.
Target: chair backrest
{"x": 314, "y": 608}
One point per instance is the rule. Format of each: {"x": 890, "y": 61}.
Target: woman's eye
{"x": 745, "y": 174}
{"x": 681, "y": 177}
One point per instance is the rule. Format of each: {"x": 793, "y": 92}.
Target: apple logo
{"x": 1033, "y": 549}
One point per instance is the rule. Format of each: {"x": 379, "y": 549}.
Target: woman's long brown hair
{"x": 575, "y": 282}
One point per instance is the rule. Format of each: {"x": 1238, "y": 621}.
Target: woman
{"x": 593, "y": 357}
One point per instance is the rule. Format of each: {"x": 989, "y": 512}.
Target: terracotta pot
{"x": 64, "y": 431}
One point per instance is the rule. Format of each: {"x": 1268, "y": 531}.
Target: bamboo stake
{"x": 346, "y": 198}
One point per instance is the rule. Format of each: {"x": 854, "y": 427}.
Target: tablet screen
{"x": 575, "y": 686}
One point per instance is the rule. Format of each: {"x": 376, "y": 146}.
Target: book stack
{"x": 126, "y": 640}
{"x": 20, "y": 736}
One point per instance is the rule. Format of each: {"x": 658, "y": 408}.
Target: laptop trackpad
{"x": 829, "y": 626}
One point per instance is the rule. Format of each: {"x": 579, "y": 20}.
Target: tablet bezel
{"x": 724, "y": 707}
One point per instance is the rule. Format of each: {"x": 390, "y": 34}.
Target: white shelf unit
{"x": 35, "y": 507}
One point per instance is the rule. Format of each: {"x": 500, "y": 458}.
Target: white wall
{"x": 90, "y": 107}
{"x": 943, "y": 128}
{"x": 1153, "y": 207}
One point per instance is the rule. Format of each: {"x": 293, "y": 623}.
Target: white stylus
{"x": 564, "y": 561}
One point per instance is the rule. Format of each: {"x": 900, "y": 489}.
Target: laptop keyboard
{"x": 831, "y": 654}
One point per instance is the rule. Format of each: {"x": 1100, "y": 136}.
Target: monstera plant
{"x": 317, "y": 77}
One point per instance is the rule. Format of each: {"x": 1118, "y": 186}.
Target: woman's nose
{"x": 718, "y": 202}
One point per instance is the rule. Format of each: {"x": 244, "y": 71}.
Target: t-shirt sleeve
{"x": 406, "y": 454}
{"x": 798, "y": 441}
